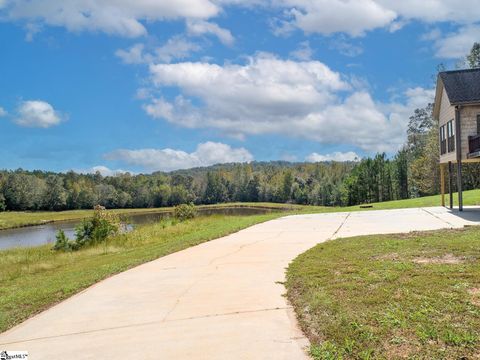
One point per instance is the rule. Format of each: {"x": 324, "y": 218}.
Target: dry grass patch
{"x": 445, "y": 259}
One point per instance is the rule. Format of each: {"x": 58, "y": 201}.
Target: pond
{"x": 45, "y": 234}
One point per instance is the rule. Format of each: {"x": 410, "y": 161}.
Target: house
{"x": 457, "y": 110}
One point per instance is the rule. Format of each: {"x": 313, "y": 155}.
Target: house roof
{"x": 462, "y": 86}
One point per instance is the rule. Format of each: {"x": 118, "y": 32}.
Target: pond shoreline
{"x": 44, "y": 232}
{"x": 123, "y": 212}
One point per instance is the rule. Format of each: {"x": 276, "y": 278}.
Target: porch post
{"x": 442, "y": 182}
{"x": 458, "y": 133}
{"x": 459, "y": 185}
{"x": 450, "y": 183}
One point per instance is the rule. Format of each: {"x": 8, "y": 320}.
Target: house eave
{"x": 438, "y": 98}
{"x": 466, "y": 103}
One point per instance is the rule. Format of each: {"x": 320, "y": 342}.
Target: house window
{"x": 450, "y": 136}
{"x": 478, "y": 124}
{"x": 443, "y": 141}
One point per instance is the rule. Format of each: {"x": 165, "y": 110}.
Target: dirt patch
{"x": 401, "y": 346}
{"x": 475, "y": 293}
{"x": 445, "y": 259}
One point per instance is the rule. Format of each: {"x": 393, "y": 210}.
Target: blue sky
{"x": 152, "y": 85}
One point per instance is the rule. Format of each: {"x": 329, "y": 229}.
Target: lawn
{"x": 33, "y": 279}
{"x": 411, "y": 295}
{"x": 471, "y": 197}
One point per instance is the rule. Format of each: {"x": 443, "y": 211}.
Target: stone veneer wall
{"x": 468, "y": 118}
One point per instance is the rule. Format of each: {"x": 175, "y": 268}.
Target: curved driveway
{"x": 218, "y": 300}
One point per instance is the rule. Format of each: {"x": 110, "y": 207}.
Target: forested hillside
{"x": 412, "y": 172}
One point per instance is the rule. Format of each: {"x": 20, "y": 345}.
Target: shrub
{"x": 62, "y": 242}
{"x": 184, "y": 212}
{"x": 97, "y": 229}
{"x": 90, "y": 231}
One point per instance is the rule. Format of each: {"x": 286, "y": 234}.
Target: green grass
{"x": 13, "y": 219}
{"x": 471, "y": 197}
{"x": 33, "y": 279}
{"x": 411, "y": 296}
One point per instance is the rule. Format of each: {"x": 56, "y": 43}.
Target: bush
{"x": 184, "y": 212}
{"x": 90, "y": 231}
{"x": 62, "y": 242}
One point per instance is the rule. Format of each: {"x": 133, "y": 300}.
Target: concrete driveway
{"x": 219, "y": 300}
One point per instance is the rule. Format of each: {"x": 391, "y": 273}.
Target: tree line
{"x": 412, "y": 172}
{"x": 317, "y": 184}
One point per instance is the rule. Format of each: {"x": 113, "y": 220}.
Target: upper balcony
{"x": 473, "y": 147}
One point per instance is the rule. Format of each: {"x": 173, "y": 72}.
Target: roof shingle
{"x": 462, "y": 86}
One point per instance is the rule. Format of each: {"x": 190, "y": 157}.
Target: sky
{"x": 148, "y": 85}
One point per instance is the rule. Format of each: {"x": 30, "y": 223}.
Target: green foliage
{"x": 97, "y": 229}
{"x": 3, "y": 205}
{"x": 94, "y": 230}
{"x": 62, "y": 242}
{"x": 473, "y": 59}
{"x": 55, "y": 196}
{"x": 216, "y": 189}
{"x": 184, "y": 212}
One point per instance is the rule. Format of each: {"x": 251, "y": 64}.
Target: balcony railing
{"x": 474, "y": 144}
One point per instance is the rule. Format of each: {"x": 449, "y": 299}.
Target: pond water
{"x": 45, "y": 234}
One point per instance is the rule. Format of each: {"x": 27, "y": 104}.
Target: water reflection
{"x": 45, "y": 234}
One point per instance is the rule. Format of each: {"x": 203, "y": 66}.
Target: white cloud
{"x": 3, "y": 112}
{"x": 353, "y": 17}
{"x": 119, "y": 17}
{"x": 37, "y": 113}
{"x": 31, "y": 30}
{"x": 201, "y": 27}
{"x": 208, "y": 153}
{"x": 335, "y": 156}
{"x": 133, "y": 55}
{"x": 356, "y": 17}
{"x": 458, "y": 44}
{"x": 128, "y": 18}
{"x": 103, "y": 170}
{"x": 345, "y": 47}
{"x": 267, "y": 95}
{"x": 176, "y": 47}
{"x": 430, "y": 11}
{"x": 303, "y": 52}
{"x": 159, "y": 108}
{"x": 431, "y": 35}
{"x": 289, "y": 157}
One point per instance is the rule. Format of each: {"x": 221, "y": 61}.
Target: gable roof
{"x": 462, "y": 86}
